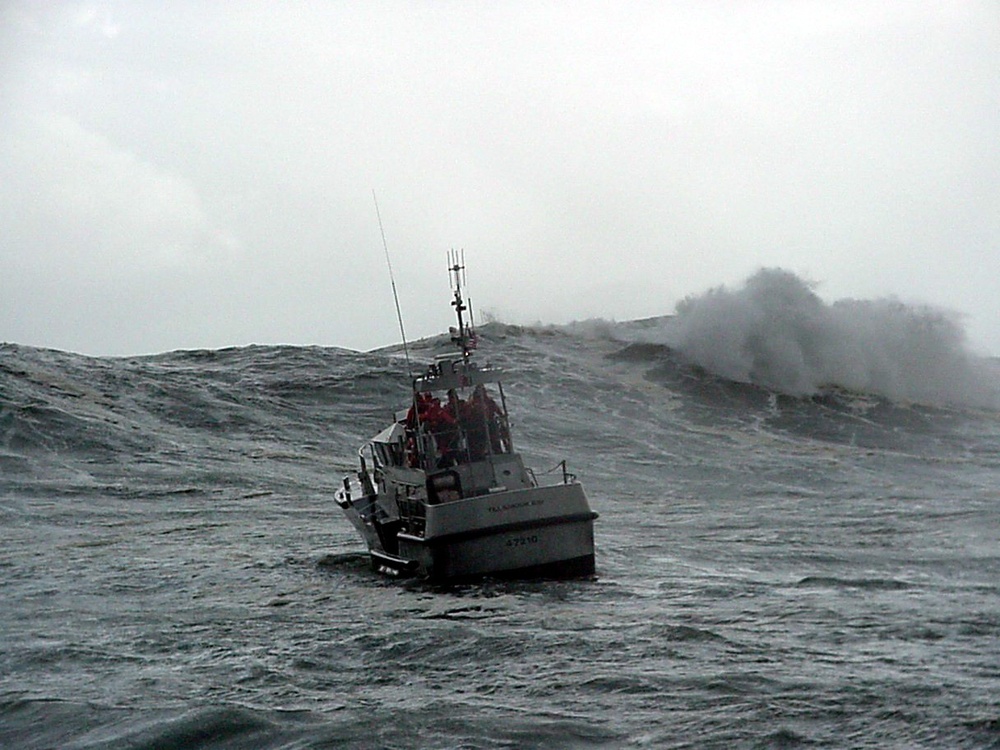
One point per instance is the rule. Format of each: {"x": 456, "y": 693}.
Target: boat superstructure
{"x": 442, "y": 493}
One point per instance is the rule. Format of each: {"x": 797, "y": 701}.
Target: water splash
{"x": 775, "y": 331}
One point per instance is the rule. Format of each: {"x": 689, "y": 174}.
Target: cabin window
{"x": 384, "y": 458}
{"x": 395, "y": 451}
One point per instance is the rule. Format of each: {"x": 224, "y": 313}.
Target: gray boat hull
{"x": 538, "y": 532}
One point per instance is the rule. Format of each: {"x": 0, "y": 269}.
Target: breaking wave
{"x": 774, "y": 331}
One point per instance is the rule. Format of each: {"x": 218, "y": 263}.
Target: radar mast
{"x": 464, "y": 337}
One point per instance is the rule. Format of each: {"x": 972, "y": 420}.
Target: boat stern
{"x": 532, "y": 532}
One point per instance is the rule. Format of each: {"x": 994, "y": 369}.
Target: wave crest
{"x": 775, "y": 332}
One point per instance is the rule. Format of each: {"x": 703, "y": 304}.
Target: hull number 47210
{"x": 521, "y": 541}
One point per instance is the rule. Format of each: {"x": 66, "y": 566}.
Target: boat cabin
{"x": 453, "y": 442}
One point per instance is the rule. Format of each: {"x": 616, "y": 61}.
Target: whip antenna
{"x": 395, "y": 296}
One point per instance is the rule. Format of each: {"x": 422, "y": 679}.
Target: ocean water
{"x": 777, "y": 567}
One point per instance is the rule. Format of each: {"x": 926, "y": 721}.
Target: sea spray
{"x": 776, "y": 332}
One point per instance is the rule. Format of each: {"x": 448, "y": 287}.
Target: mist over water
{"x": 774, "y": 331}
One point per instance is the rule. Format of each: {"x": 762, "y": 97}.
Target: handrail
{"x": 567, "y": 476}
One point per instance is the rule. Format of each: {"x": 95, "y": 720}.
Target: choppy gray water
{"x": 772, "y": 571}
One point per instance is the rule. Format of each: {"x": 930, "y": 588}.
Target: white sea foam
{"x": 776, "y": 332}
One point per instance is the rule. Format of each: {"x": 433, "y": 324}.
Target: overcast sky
{"x": 200, "y": 174}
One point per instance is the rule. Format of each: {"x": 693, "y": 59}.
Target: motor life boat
{"x": 442, "y": 493}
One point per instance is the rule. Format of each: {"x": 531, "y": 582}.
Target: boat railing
{"x": 567, "y": 476}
